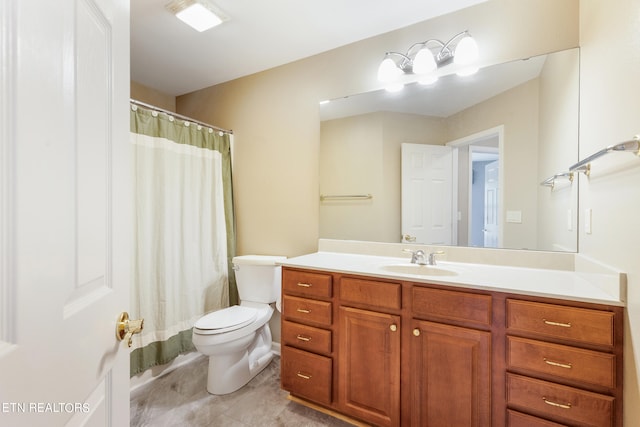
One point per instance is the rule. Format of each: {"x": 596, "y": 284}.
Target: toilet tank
{"x": 258, "y": 277}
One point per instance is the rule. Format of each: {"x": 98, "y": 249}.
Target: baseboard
{"x": 327, "y": 411}
{"x": 155, "y": 372}
{"x": 275, "y": 347}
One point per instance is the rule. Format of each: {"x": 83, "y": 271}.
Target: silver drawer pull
{"x": 303, "y": 376}
{"x": 549, "y": 322}
{"x": 557, "y": 405}
{"x": 302, "y": 310}
{"x": 305, "y": 285}
{"x": 561, "y": 365}
{"x": 303, "y": 338}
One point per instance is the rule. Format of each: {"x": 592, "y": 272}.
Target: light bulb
{"x": 388, "y": 71}
{"x": 466, "y": 51}
{"x": 424, "y": 63}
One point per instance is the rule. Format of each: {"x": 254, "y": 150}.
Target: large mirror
{"x": 504, "y": 131}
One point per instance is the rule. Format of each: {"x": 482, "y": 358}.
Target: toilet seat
{"x": 226, "y": 320}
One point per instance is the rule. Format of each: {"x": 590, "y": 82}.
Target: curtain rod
{"x": 178, "y": 116}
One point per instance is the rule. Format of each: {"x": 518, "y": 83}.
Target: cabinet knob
{"x": 416, "y": 332}
{"x": 393, "y": 327}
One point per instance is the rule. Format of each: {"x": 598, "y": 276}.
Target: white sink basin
{"x": 418, "y": 270}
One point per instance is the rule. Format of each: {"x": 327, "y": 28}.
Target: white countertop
{"x": 569, "y": 285}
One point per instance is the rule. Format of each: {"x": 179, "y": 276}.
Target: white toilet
{"x": 237, "y": 339}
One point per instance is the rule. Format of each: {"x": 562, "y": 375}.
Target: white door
{"x": 64, "y": 212}
{"x": 491, "y": 192}
{"x": 427, "y": 185}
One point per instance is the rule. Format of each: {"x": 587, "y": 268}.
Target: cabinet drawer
{"x": 306, "y": 310}
{"x": 559, "y": 403}
{"x": 370, "y": 292}
{"x": 306, "y": 283}
{"x": 517, "y": 419}
{"x": 306, "y": 337}
{"x": 591, "y": 367}
{"x": 451, "y": 305}
{"x": 306, "y": 374}
{"x": 575, "y": 324}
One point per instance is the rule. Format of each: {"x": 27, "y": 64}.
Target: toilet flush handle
{"x": 126, "y": 327}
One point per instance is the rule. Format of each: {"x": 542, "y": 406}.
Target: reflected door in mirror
{"x": 427, "y": 184}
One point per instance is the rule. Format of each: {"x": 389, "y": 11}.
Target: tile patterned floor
{"x": 180, "y": 398}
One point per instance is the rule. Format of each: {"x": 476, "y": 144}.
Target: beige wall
{"x": 275, "y": 118}
{"x": 153, "y": 97}
{"x": 609, "y": 113}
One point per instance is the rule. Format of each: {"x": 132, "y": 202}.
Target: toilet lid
{"x": 227, "y": 319}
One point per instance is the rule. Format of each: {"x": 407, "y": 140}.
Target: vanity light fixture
{"x": 424, "y": 58}
{"x": 200, "y": 15}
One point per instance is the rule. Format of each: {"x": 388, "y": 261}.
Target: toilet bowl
{"x": 237, "y": 339}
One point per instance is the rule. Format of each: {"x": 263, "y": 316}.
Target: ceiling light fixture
{"x": 198, "y": 14}
{"x": 424, "y": 58}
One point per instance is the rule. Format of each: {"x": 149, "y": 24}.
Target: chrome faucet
{"x": 417, "y": 257}
{"x": 432, "y": 257}
{"x": 420, "y": 258}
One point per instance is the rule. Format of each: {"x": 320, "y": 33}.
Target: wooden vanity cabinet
{"x": 564, "y": 363}
{"x": 399, "y": 353}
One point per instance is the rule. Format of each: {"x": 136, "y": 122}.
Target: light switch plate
{"x": 514, "y": 216}
{"x": 587, "y": 221}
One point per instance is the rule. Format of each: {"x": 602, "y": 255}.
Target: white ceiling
{"x": 169, "y": 56}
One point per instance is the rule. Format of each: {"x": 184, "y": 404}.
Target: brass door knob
{"x": 416, "y": 332}
{"x": 126, "y": 327}
{"x": 393, "y": 327}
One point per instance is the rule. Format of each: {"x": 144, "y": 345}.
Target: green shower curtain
{"x": 184, "y": 232}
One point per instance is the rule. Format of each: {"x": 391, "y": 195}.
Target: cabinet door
{"x": 451, "y": 376}
{"x": 369, "y": 366}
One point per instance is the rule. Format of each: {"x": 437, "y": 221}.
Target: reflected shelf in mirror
{"x": 338, "y": 197}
